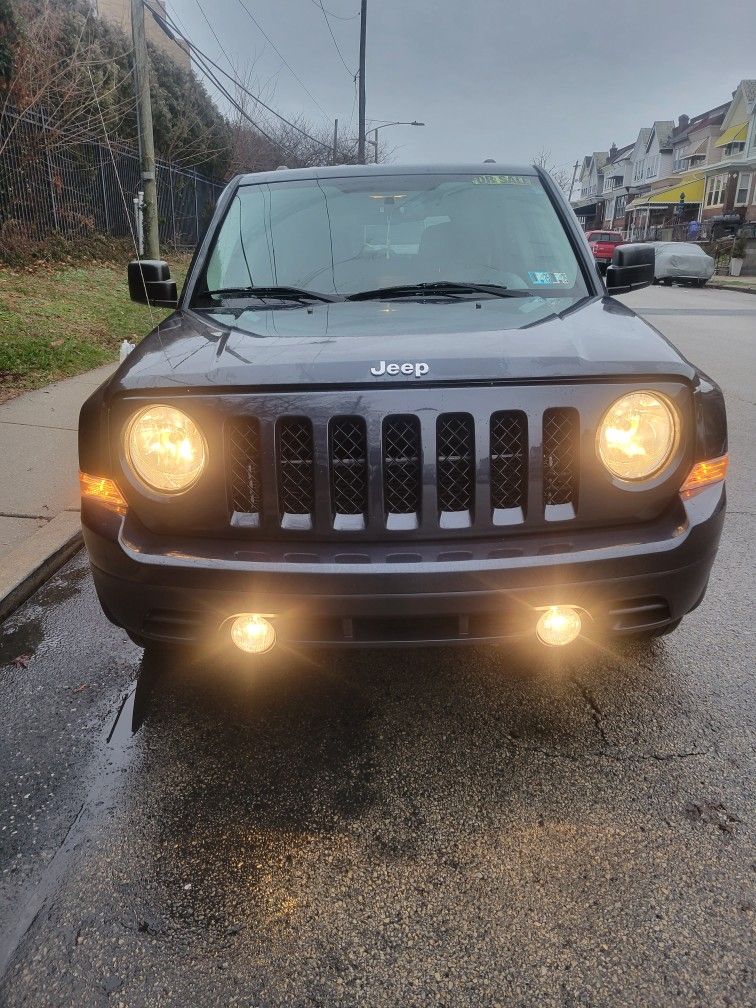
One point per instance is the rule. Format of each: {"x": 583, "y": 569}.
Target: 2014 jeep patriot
{"x": 398, "y": 405}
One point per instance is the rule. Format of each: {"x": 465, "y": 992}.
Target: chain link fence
{"x": 54, "y": 183}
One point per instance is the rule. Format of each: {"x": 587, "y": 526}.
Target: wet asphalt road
{"x": 392, "y": 828}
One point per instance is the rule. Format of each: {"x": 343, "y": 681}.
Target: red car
{"x": 603, "y": 244}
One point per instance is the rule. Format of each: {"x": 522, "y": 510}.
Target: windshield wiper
{"x": 441, "y": 287}
{"x": 288, "y": 293}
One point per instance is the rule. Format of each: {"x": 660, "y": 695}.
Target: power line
{"x": 164, "y": 21}
{"x": 209, "y": 25}
{"x": 339, "y": 17}
{"x": 319, "y": 3}
{"x": 232, "y": 101}
{"x": 280, "y": 55}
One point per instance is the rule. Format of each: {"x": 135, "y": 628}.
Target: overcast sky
{"x": 490, "y": 78}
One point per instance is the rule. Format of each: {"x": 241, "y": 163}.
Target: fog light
{"x": 252, "y": 633}
{"x": 558, "y": 625}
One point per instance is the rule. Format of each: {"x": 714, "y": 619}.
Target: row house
{"x": 589, "y": 205}
{"x": 673, "y": 195}
{"x": 730, "y": 179}
{"x": 675, "y": 175}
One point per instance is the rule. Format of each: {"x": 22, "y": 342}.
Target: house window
{"x": 638, "y": 171}
{"x": 619, "y": 206}
{"x": 733, "y": 148}
{"x": 715, "y": 190}
{"x": 744, "y": 185}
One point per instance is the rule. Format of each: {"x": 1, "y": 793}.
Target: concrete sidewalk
{"x": 746, "y": 284}
{"x": 39, "y": 491}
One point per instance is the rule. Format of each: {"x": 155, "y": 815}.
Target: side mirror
{"x": 632, "y": 267}
{"x": 150, "y": 283}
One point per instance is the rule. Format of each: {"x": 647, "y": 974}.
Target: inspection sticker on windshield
{"x": 549, "y": 279}
{"x": 502, "y": 180}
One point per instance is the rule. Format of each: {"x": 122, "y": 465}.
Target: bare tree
{"x": 560, "y": 175}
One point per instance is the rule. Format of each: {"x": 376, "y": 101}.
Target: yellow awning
{"x": 733, "y": 135}
{"x": 693, "y": 190}
{"x": 692, "y": 186}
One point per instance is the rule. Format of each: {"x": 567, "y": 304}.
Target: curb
{"x": 731, "y": 287}
{"x": 32, "y": 562}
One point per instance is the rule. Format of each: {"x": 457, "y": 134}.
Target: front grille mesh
{"x": 294, "y": 457}
{"x": 349, "y": 477}
{"x": 244, "y": 484}
{"x": 348, "y": 454}
{"x": 561, "y": 452}
{"x": 401, "y": 465}
{"x": 509, "y": 459}
{"x": 455, "y": 451}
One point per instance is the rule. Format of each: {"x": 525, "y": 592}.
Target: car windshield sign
{"x": 393, "y": 236}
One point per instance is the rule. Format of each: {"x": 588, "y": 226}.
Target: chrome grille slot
{"x": 243, "y": 469}
{"x": 402, "y": 471}
{"x": 561, "y": 462}
{"x": 348, "y": 471}
{"x": 509, "y": 466}
{"x": 455, "y": 472}
{"x": 295, "y": 472}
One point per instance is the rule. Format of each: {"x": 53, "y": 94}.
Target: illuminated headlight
{"x": 637, "y": 436}
{"x": 165, "y": 448}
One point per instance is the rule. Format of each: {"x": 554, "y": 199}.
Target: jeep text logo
{"x": 417, "y": 368}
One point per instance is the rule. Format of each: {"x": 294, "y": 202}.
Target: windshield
{"x": 341, "y": 236}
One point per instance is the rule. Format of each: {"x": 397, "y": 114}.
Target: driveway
{"x": 392, "y": 828}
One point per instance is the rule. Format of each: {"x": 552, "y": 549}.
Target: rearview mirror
{"x": 150, "y": 283}
{"x": 632, "y": 268}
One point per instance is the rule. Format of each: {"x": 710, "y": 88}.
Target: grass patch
{"x": 57, "y": 320}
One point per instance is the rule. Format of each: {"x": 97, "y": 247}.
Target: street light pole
{"x": 361, "y": 93}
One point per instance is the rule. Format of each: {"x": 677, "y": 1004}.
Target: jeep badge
{"x": 418, "y": 368}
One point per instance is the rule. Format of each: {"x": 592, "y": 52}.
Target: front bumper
{"x": 627, "y": 579}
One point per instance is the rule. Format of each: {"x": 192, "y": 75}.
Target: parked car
{"x": 602, "y": 245}
{"x": 682, "y": 262}
{"x": 457, "y": 438}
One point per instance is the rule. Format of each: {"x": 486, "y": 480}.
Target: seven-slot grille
{"x": 393, "y": 483}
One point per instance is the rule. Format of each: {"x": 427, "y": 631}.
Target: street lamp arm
{"x": 374, "y": 142}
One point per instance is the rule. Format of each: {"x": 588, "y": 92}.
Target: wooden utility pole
{"x": 144, "y": 123}
{"x": 574, "y": 175}
{"x": 361, "y": 95}
{"x": 335, "y": 141}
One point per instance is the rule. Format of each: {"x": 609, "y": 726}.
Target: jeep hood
{"x": 491, "y": 340}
